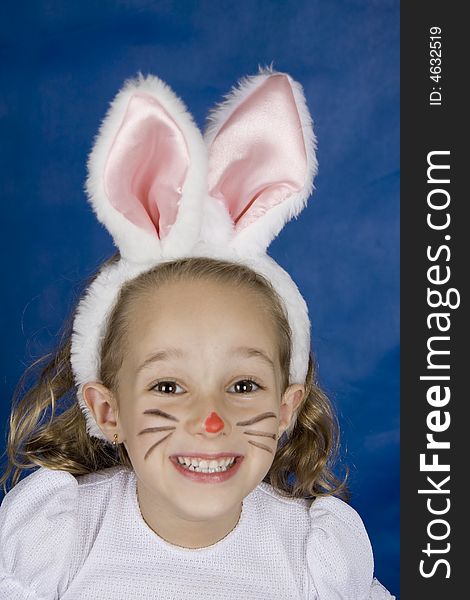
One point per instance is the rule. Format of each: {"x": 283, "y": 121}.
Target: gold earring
{"x": 115, "y": 441}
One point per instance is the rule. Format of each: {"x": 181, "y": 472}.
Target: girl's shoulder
{"x": 39, "y": 520}
{"x": 339, "y": 553}
{"x": 325, "y": 511}
{"x": 339, "y": 559}
{"x": 54, "y": 492}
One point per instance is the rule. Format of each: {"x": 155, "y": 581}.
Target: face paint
{"x": 170, "y": 428}
{"x": 257, "y": 419}
{"x": 213, "y": 423}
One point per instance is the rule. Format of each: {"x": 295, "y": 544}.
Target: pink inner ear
{"x": 258, "y": 157}
{"x": 147, "y": 166}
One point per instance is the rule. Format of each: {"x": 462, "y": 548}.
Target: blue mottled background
{"x": 61, "y": 63}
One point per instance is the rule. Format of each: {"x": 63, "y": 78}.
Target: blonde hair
{"x": 48, "y": 428}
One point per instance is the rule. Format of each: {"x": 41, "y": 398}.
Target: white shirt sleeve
{"x": 37, "y": 532}
{"x": 340, "y": 563}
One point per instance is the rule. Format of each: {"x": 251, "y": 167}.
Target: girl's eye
{"x": 245, "y": 386}
{"x": 166, "y": 387}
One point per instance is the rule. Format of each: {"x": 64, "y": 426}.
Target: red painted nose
{"x": 213, "y": 423}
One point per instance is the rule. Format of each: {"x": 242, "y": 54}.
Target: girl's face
{"x": 200, "y": 380}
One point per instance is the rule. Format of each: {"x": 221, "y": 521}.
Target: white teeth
{"x": 206, "y": 466}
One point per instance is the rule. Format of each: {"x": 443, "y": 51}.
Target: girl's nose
{"x": 213, "y": 423}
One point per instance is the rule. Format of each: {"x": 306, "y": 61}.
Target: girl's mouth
{"x": 207, "y": 471}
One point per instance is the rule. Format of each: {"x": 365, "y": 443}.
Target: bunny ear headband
{"x": 165, "y": 192}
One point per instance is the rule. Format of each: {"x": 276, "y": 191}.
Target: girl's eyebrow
{"x": 161, "y": 355}
{"x": 168, "y": 353}
{"x": 247, "y": 352}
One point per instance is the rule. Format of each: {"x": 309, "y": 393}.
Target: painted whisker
{"x": 257, "y": 419}
{"x": 160, "y": 413}
{"x": 156, "y": 444}
{"x": 262, "y": 446}
{"x": 262, "y": 433}
{"x": 155, "y": 429}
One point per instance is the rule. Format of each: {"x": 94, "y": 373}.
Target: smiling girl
{"x": 197, "y": 394}
{"x": 189, "y": 449}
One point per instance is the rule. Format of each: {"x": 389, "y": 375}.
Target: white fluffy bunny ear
{"x": 147, "y": 172}
{"x": 261, "y": 152}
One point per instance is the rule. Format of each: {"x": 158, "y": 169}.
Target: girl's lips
{"x": 206, "y": 456}
{"x": 208, "y": 477}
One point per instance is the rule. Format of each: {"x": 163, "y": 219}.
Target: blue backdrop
{"x": 61, "y": 63}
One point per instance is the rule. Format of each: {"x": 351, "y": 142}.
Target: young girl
{"x": 188, "y": 449}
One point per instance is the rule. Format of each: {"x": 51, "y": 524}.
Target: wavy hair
{"x": 47, "y": 427}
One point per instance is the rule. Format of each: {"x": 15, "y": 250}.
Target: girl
{"x": 189, "y": 448}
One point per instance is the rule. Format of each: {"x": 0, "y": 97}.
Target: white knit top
{"x": 76, "y": 538}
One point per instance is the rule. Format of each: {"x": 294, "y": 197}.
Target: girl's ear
{"x": 103, "y": 406}
{"x": 146, "y": 171}
{"x": 291, "y": 400}
{"x": 261, "y": 150}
